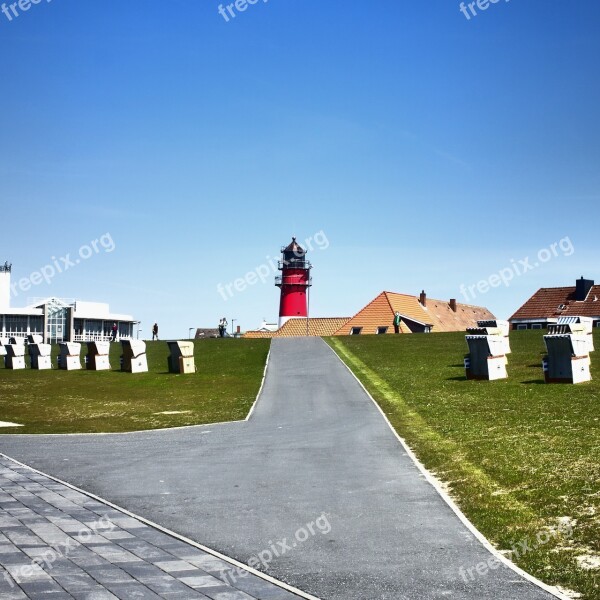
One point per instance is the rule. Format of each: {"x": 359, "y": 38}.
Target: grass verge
{"x": 520, "y": 458}
{"x": 229, "y": 373}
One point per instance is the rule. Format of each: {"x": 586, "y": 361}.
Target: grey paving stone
{"x": 16, "y": 594}
{"x": 200, "y": 581}
{"x": 14, "y": 558}
{"x": 132, "y": 591}
{"x": 225, "y": 593}
{"x": 109, "y": 574}
{"x": 170, "y": 566}
{"x": 142, "y": 570}
{"x": 23, "y": 537}
{"x": 41, "y": 587}
{"x": 144, "y": 550}
{"x": 96, "y": 594}
{"x": 189, "y": 595}
{"x": 63, "y": 566}
{"x": 8, "y": 549}
{"x": 49, "y": 596}
{"x": 76, "y": 582}
{"x": 165, "y": 584}
{"x": 118, "y": 535}
{"x": 27, "y": 573}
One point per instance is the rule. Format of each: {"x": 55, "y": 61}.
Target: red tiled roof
{"x": 436, "y": 313}
{"x": 259, "y": 334}
{"x": 317, "y": 327}
{"x": 545, "y": 302}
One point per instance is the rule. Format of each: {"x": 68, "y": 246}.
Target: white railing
{"x": 18, "y": 334}
{"x": 98, "y": 337}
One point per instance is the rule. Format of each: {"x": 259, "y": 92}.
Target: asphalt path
{"x": 315, "y": 476}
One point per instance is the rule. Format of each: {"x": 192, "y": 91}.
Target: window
{"x": 562, "y": 306}
{"x": 56, "y": 321}
{"x": 521, "y": 327}
{"x": 382, "y": 330}
{"x": 16, "y": 326}
{"x": 36, "y": 325}
{"x": 597, "y": 323}
{"x": 536, "y": 326}
{"x": 356, "y": 331}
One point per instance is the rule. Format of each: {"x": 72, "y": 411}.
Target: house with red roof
{"x": 419, "y": 314}
{"x": 548, "y": 304}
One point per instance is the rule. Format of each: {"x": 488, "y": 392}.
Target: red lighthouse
{"x": 294, "y": 282}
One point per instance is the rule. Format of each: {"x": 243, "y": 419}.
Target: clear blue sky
{"x": 430, "y": 149}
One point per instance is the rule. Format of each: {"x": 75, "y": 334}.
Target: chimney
{"x": 582, "y": 289}
{"x": 423, "y": 298}
{"x": 239, "y": 329}
{"x": 453, "y": 304}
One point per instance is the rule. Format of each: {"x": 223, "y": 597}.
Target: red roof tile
{"x": 544, "y": 304}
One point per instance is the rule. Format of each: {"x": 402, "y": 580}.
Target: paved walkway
{"x": 315, "y": 447}
{"x": 57, "y": 543}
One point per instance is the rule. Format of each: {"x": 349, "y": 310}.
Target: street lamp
{"x": 232, "y": 322}
{"x": 190, "y": 332}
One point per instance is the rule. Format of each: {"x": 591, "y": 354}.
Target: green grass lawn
{"x": 224, "y": 388}
{"x": 519, "y": 456}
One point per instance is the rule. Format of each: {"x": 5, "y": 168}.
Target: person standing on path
{"x": 114, "y": 331}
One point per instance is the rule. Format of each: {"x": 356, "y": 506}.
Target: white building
{"x": 59, "y": 320}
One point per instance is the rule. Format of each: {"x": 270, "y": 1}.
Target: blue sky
{"x": 430, "y": 149}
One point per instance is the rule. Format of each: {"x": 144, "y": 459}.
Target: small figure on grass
{"x": 222, "y": 327}
{"x": 155, "y": 332}
{"x": 397, "y": 322}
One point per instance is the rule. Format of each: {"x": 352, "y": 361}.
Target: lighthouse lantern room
{"x": 294, "y": 282}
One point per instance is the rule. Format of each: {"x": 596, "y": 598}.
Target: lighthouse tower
{"x": 294, "y": 282}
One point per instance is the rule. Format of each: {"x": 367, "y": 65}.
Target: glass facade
{"x": 57, "y": 322}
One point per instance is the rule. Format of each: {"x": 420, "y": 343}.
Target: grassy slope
{"x": 224, "y": 388}
{"x": 518, "y": 454}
